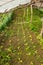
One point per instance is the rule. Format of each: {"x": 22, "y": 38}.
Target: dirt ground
{"x": 24, "y": 43}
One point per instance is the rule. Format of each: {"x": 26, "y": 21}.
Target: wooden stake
{"x": 31, "y": 12}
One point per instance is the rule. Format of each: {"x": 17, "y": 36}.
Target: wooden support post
{"x": 31, "y": 12}
{"x": 41, "y": 33}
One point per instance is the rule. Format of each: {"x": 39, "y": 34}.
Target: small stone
{"x": 1, "y": 47}
{"x": 24, "y": 36}
{"x": 36, "y": 51}
{"x": 41, "y": 64}
{"x": 2, "y": 39}
{"x": 34, "y": 46}
{"x": 31, "y": 63}
{"x": 17, "y": 39}
{"x": 24, "y": 40}
{"x": 31, "y": 39}
{"x": 18, "y": 47}
{"x": 30, "y": 36}
{"x": 21, "y": 61}
{"x": 26, "y": 44}
{"x": 9, "y": 41}
{"x": 28, "y": 54}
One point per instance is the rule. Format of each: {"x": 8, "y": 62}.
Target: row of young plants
{"x": 36, "y": 23}
{"x": 5, "y": 19}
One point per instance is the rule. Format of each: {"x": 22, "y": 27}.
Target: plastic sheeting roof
{"x": 4, "y": 1}
{"x": 9, "y": 4}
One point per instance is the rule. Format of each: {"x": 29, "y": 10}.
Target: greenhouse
{"x": 21, "y": 32}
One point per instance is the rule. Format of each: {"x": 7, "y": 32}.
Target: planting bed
{"x": 20, "y": 43}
